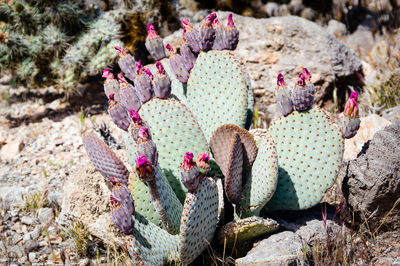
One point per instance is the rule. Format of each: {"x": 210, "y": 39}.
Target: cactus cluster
{"x": 55, "y": 42}
{"x": 196, "y": 104}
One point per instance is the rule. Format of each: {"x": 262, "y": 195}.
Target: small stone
{"x": 16, "y": 238}
{"x": 32, "y": 256}
{"x": 45, "y": 215}
{"x": 84, "y": 262}
{"x": 27, "y": 220}
{"x": 31, "y": 245}
{"x": 11, "y": 150}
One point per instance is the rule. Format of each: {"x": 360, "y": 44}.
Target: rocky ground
{"x": 41, "y": 148}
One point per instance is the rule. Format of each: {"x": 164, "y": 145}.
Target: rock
{"x": 32, "y": 256}
{"x": 285, "y": 45}
{"x": 372, "y": 181}
{"x": 85, "y": 198}
{"x": 280, "y": 249}
{"x": 27, "y": 220}
{"x": 33, "y": 235}
{"x": 368, "y": 127}
{"x": 271, "y": 9}
{"x": 45, "y": 215}
{"x": 31, "y": 245}
{"x": 287, "y": 248}
{"x": 11, "y": 150}
{"x": 392, "y": 114}
{"x": 336, "y": 28}
{"x": 84, "y": 262}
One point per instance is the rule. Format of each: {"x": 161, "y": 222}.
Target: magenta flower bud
{"x": 134, "y": 115}
{"x": 190, "y": 174}
{"x": 303, "y": 94}
{"x": 301, "y": 80}
{"x": 177, "y": 65}
{"x": 160, "y": 68}
{"x": 107, "y": 74}
{"x": 139, "y": 67}
{"x": 111, "y": 97}
{"x": 307, "y": 74}
{"x": 161, "y": 83}
{"x": 127, "y": 63}
{"x": 144, "y": 133}
{"x": 148, "y": 73}
{"x": 114, "y": 202}
{"x": 203, "y": 160}
{"x": 351, "y": 121}
{"x": 280, "y": 80}
{"x": 351, "y": 107}
{"x": 144, "y": 169}
{"x": 231, "y": 34}
{"x": 154, "y": 43}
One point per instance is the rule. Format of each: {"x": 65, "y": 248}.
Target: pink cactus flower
{"x": 121, "y": 51}
{"x": 280, "y": 80}
{"x": 151, "y": 32}
{"x": 160, "y": 68}
{"x": 231, "y": 24}
{"x": 186, "y": 25}
{"x": 144, "y": 133}
{"x": 209, "y": 20}
{"x": 114, "y": 201}
{"x": 307, "y": 74}
{"x": 136, "y": 119}
{"x": 148, "y": 72}
{"x": 121, "y": 78}
{"x": 187, "y": 161}
{"x": 351, "y": 107}
{"x": 301, "y": 80}
{"x": 107, "y": 74}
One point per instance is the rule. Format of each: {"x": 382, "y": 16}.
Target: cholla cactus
{"x": 177, "y": 201}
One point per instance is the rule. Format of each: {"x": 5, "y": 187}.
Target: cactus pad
{"x": 175, "y": 131}
{"x": 149, "y": 244}
{"x": 234, "y": 174}
{"x": 262, "y": 180}
{"x": 310, "y": 150}
{"x": 104, "y": 159}
{"x": 199, "y": 221}
{"x": 220, "y": 143}
{"x": 217, "y": 80}
{"x": 246, "y": 229}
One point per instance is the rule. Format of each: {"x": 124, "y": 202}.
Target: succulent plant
{"x": 351, "y": 121}
{"x": 206, "y": 108}
{"x": 282, "y": 94}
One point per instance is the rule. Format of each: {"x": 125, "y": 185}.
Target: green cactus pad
{"x": 170, "y": 203}
{"x": 149, "y": 244}
{"x": 262, "y": 179}
{"x": 178, "y": 89}
{"x": 310, "y": 149}
{"x": 142, "y": 199}
{"x": 175, "y": 132}
{"x": 199, "y": 221}
{"x": 217, "y": 80}
{"x": 220, "y": 144}
{"x": 245, "y": 229}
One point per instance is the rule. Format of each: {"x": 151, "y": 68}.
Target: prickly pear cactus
{"x": 310, "y": 149}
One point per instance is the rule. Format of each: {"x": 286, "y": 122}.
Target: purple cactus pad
{"x": 154, "y": 43}
{"x": 127, "y": 63}
{"x": 134, "y": 115}
{"x": 231, "y": 34}
{"x": 188, "y": 57}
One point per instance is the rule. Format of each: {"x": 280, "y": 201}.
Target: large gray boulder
{"x": 285, "y": 45}
{"x": 372, "y": 181}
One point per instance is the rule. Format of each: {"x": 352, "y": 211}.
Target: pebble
{"x": 45, "y": 215}
{"x": 27, "y": 220}
{"x": 32, "y": 256}
{"x": 11, "y": 150}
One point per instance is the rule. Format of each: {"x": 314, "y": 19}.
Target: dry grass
{"x": 81, "y": 236}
